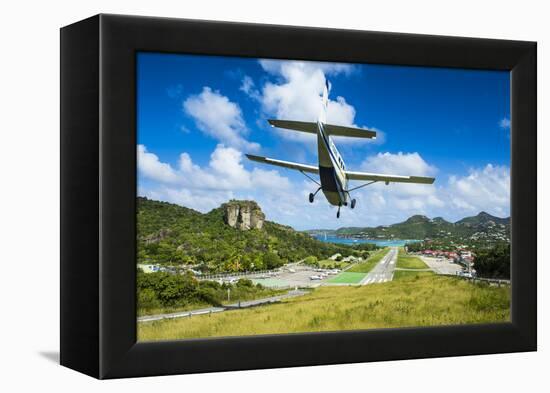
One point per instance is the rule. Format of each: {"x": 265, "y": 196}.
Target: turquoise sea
{"x": 351, "y": 241}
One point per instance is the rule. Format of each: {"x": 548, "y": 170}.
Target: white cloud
{"x": 278, "y": 67}
{"x": 218, "y": 117}
{"x": 247, "y": 84}
{"x": 151, "y": 168}
{"x": 224, "y": 171}
{"x": 226, "y": 164}
{"x": 203, "y": 188}
{"x": 406, "y": 199}
{"x": 485, "y": 189}
{"x": 249, "y": 88}
{"x": 406, "y": 163}
{"x": 504, "y": 123}
{"x": 297, "y": 96}
{"x": 482, "y": 189}
{"x": 201, "y": 200}
{"x": 225, "y": 177}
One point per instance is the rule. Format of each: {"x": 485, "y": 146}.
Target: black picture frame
{"x": 98, "y": 193}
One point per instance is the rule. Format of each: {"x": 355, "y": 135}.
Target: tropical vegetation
{"x": 164, "y": 292}
{"x": 493, "y": 262}
{"x": 169, "y": 234}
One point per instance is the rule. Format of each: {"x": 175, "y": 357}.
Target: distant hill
{"x": 232, "y": 237}
{"x": 483, "y": 219}
{"x": 421, "y": 227}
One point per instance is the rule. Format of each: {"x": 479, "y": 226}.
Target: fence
{"x": 222, "y": 276}
{"x": 496, "y": 281}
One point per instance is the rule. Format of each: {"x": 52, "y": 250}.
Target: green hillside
{"x": 483, "y": 227}
{"x": 483, "y": 219}
{"x": 173, "y": 235}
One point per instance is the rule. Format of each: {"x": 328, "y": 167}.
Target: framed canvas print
{"x": 240, "y": 196}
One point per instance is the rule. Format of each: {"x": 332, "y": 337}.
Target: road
{"x": 233, "y": 306}
{"x": 383, "y": 271}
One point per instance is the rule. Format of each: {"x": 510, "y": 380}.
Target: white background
{"x": 29, "y": 194}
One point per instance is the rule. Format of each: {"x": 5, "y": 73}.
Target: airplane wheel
{"x": 311, "y": 197}
{"x": 338, "y": 214}
{"x": 353, "y": 202}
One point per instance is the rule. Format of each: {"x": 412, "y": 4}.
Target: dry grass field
{"x": 410, "y": 301}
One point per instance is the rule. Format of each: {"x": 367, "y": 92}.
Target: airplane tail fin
{"x": 326, "y": 91}
{"x": 330, "y": 129}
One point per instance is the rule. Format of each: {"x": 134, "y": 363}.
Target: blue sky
{"x": 199, "y": 115}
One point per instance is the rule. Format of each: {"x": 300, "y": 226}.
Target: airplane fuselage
{"x": 331, "y": 169}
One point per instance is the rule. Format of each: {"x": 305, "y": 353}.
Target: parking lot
{"x": 442, "y": 265}
{"x": 297, "y": 276}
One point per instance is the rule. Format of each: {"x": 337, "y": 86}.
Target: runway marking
{"x": 382, "y": 270}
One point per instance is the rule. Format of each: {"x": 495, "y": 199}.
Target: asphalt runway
{"x": 383, "y": 271}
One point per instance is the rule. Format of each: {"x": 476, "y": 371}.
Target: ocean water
{"x": 378, "y": 242}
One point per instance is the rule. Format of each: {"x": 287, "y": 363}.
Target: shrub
{"x": 493, "y": 263}
{"x": 147, "y": 299}
{"x": 311, "y": 260}
{"x": 244, "y": 282}
{"x": 272, "y": 260}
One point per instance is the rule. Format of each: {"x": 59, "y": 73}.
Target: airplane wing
{"x": 388, "y": 178}
{"x": 284, "y": 164}
{"x": 311, "y": 128}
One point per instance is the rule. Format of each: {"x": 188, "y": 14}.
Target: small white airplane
{"x": 332, "y": 171}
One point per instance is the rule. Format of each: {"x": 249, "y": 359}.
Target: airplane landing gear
{"x": 312, "y": 195}
{"x": 353, "y": 201}
{"x": 338, "y": 212}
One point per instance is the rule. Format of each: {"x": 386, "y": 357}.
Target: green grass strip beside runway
{"x": 365, "y": 267}
{"x": 347, "y": 278}
{"x": 405, "y": 261}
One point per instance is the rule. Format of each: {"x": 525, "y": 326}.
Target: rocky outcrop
{"x": 243, "y": 215}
